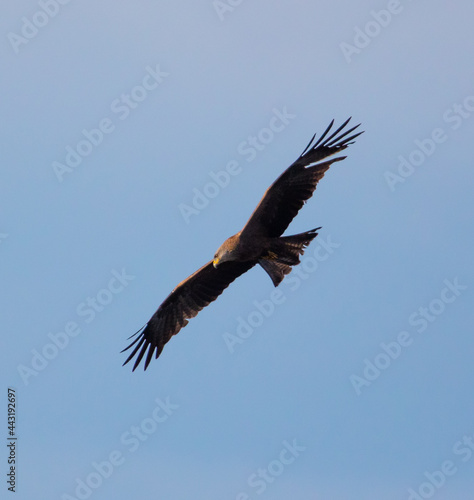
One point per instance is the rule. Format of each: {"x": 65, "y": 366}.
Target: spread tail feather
{"x": 284, "y": 253}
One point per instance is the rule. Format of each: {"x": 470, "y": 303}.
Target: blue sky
{"x": 356, "y": 383}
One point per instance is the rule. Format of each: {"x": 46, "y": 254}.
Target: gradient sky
{"x": 357, "y": 384}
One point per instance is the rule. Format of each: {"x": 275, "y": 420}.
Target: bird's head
{"x": 220, "y": 257}
{"x": 225, "y": 252}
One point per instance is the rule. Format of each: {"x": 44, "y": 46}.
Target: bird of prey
{"x": 259, "y": 242}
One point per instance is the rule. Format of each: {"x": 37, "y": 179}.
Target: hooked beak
{"x": 215, "y": 262}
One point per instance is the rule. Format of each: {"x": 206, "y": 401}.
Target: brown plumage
{"x": 259, "y": 242}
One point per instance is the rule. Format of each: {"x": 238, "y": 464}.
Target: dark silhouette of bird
{"x": 259, "y": 242}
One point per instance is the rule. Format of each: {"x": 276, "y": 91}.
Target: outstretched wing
{"x": 284, "y": 198}
{"x": 183, "y": 303}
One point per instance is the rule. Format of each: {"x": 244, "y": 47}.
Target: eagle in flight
{"x": 259, "y": 242}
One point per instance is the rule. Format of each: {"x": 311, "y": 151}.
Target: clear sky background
{"x": 358, "y": 382}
